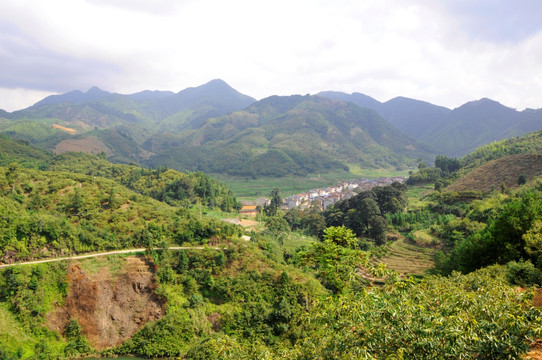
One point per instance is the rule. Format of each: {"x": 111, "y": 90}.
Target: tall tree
{"x": 274, "y": 204}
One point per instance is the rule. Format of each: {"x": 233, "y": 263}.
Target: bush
{"x": 523, "y": 273}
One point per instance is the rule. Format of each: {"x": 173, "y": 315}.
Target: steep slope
{"x": 527, "y": 144}
{"x": 294, "y": 134}
{"x": 110, "y": 307}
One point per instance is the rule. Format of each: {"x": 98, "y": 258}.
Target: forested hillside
{"x": 290, "y": 135}
{"x": 310, "y": 284}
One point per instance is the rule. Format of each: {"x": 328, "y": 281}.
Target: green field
{"x": 246, "y": 188}
{"x": 415, "y": 194}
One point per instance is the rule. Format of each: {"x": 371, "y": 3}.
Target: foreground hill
{"x": 276, "y": 295}
{"x": 452, "y": 132}
{"x": 289, "y": 135}
{"x": 488, "y": 167}
{"x": 496, "y": 173}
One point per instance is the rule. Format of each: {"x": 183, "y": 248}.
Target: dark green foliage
{"x": 276, "y": 224}
{"x": 165, "y": 337}
{"x": 522, "y": 179}
{"x": 274, "y": 204}
{"x": 310, "y": 222}
{"x": 378, "y": 227}
{"x": 366, "y": 212}
{"x": 424, "y": 176}
{"x": 523, "y": 273}
{"x": 510, "y": 235}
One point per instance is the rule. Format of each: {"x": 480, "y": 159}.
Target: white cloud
{"x": 433, "y": 51}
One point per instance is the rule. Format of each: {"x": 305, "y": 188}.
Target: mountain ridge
{"x": 454, "y": 132}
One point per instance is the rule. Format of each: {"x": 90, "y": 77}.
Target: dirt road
{"x": 126, "y": 251}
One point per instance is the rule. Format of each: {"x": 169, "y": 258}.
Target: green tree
{"x": 378, "y": 228}
{"x": 340, "y": 235}
{"x": 274, "y": 204}
{"x": 276, "y": 224}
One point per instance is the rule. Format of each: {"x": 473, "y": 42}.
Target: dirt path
{"x": 246, "y": 223}
{"x": 126, "y": 251}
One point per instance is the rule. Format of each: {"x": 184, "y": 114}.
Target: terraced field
{"x": 407, "y": 258}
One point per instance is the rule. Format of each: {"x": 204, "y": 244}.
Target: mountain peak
{"x": 95, "y": 91}
{"x": 74, "y": 97}
{"x": 217, "y": 82}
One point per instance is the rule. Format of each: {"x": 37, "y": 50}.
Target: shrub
{"x": 523, "y": 273}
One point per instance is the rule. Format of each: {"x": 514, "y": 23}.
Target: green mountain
{"x": 413, "y": 117}
{"x": 452, "y": 132}
{"x": 74, "y": 97}
{"x": 98, "y": 121}
{"x": 471, "y": 125}
{"x": 152, "y": 109}
{"x": 289, "y": 135}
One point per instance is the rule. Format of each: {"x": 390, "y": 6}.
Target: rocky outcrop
{"x": 110, "y": 307}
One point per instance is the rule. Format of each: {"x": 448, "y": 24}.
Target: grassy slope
{"x": 505, "y": 170}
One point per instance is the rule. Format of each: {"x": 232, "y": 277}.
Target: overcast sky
{"x": 444, "y": 52}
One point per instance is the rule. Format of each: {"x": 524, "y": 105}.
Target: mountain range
{"x": 214, "y": 128}
{"x": 451, "y": 132}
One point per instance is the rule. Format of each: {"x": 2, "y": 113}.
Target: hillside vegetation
{"x": 504, "y": 171}
{"x": 215, "y": 129}
{"x": 306, "y": 283}
{"x": 291, "y": 135}
{"x": 280, "y": 294}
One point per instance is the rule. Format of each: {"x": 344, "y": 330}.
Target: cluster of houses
{"x": 323, "y": 198}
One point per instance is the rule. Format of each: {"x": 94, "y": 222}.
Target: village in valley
{"x": 322, "y": 198}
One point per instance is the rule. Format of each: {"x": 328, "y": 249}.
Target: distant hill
{"x": 118, "y": 124}
{"x": 471, "y": 125}
{"x": 152, "y": 109}
{"x": 74, "y": 97}
{"x": 413, "y": 117}
{"x": 356, "y": 98}
{"x": 290, "y": 135}
{"x": 452, "y": 132}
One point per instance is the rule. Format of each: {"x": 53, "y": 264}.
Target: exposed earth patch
{"x": 110, "y": 305}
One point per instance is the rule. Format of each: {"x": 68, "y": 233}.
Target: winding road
{"x": 125, "y": 251}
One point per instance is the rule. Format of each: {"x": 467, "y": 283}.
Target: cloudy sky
{"x": 446, "y": 52}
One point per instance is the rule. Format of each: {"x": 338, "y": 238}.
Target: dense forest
{"x": 304, "y": 284}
